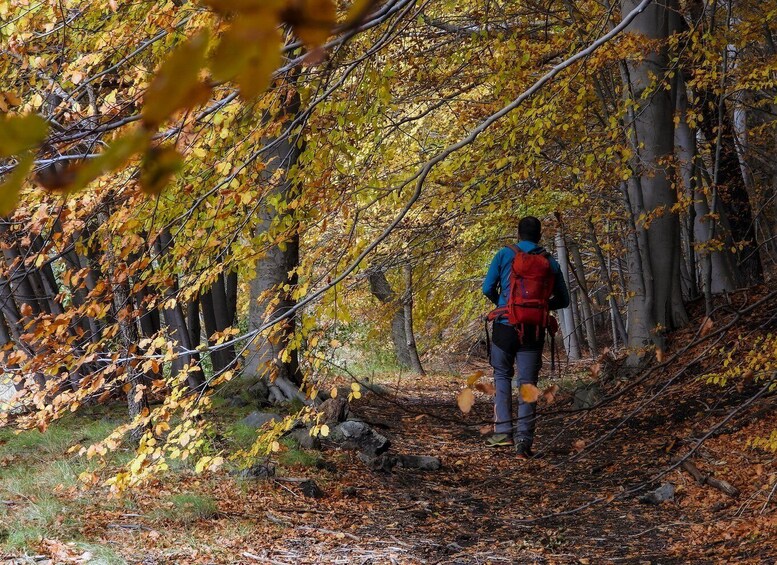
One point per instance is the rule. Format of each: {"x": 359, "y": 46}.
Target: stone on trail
{"x": 304, "y": 439}
{"x": 334, "y": 410}
{"x": 663, "y": 493}
{"x": 587, "y": 396}
{"x": 360, "y": 437}
{"x": 310, "y": 489}
{"x": 258, "y": 471}
{"x": 257, "y": 419}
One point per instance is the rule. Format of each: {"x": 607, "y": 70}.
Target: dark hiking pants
{"x": 507, "y": 351}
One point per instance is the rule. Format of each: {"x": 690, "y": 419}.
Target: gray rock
{"x": 359, "y": 436}
{"x": 258, "y": 471}
{"x": 663, "y": 493}
{"x": 420, "y": 462}
{"x": 310, "y": 489}
{"x": 258, "y": 419}
{"x": 305, "y": 440}
{"x": 587, "y": 396}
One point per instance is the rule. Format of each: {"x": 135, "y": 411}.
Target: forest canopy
{"x": 233, "y": 194}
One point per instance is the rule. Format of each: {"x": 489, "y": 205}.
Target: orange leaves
{"x": 312, "y": 20}
{"x": 466, "y": 400}
{"x": 549, "y": 394}
{"x": 177, "y": 83}
{"x": 529, "y": 393}
{"x": 486, "y": 388}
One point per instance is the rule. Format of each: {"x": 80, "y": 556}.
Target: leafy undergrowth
{"x": 577, "y": 503}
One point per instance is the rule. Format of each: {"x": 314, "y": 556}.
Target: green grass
{"x": 37, "y": 466}
{"x": 187, "y": 508}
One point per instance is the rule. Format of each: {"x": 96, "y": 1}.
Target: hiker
{"x": 521, "y": 320}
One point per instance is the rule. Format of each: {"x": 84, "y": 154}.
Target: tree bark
{"x": 381, "y": 289}
{"x": 407, "y": 301}
{"x": 275, "y": 272}
{"x": 585, "y": 304}
{"x": 569, "y": 336}
{"x": 650, "y": 191}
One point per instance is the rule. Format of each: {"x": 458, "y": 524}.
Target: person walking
{"x": 525, "y": 283}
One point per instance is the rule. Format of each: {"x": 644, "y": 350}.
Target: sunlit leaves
{"x": 9, "y": 189}
{"x": 177, "y": 84}
{"x": 249, "y": 51}
{"x": 529, "y": 392}
{"x": 21, "y": 133}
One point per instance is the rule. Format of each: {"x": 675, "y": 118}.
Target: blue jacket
{"x": 496, "y": 285}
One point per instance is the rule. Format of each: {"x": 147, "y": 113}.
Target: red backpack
{"x": 531, "y": 284}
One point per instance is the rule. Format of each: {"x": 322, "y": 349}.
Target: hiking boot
{"x": 499, "y": 440}
{"x": 523, "y": 449}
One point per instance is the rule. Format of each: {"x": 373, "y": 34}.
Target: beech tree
{"x": 200, "y": 191}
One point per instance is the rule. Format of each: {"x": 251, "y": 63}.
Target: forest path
{"x": 487, "y": 506}
{"x": 481, "y": 505}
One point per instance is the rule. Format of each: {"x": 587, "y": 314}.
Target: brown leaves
{"x": 159, "y": 165}
{"x": 465, "y": 400}
{"x": 312, "y": 20}
{"x": 707, "y": 326}
{"x": 486, "y": 388}
{"x": 549, "y": 394}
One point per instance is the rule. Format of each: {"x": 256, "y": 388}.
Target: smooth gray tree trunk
{"x": 568, "y": 334}
{"x": 649, "y": 190}
{"x": 407, "y": 301}
{"x": 381, "y": 289}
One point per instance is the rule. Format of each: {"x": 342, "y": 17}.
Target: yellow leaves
{"x": 312, "y": 20}
{"x": 466, "y": 400}
{"x": 208, "y": 463}
{"x": 356, "y": 391}
{"x": 249, "y": 51}
{"x": 474, "y": 377}
{"x": 21, "y": 133}
{"x": 177, "y": 84}
{"x": 9, "y": 190}
{"x": 529, "y": 393}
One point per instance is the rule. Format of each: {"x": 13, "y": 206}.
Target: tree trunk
{"x": 407, "y": 301}
{"x": 269, "y": 355}
{"x": 650, "y": 190}
{"x": 569, "y": 336}
{"x": 616, "y": 319}
{"x": 732, "y": 191}
{"x": 175, "y": 320}
{"x": 381, "y": 289}
{"x": 585, "y": 305}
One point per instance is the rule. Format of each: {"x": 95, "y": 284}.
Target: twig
{"x": 769, "y": 498}
{"x": 702, "y": 479}
{"x": 330, "y": 532}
